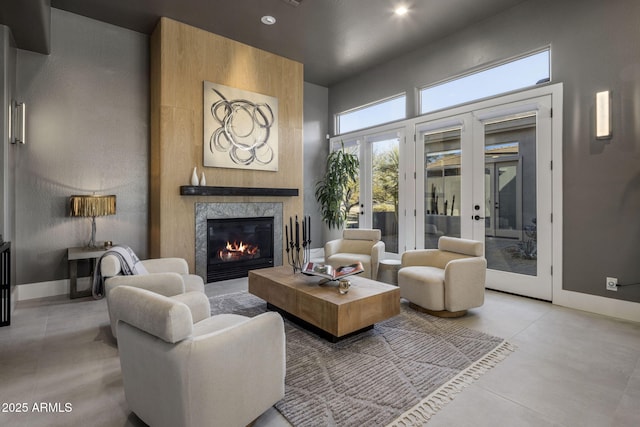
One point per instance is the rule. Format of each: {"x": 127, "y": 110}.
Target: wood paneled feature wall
{"x": 182, "y": 58}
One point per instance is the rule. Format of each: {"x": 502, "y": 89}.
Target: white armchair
{"x": 357, "y": 244}
{"x": 224, "y": 370}
{"x": 447, "y": 281}
{"x": 166, "y": 276}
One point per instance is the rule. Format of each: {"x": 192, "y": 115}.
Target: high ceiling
{"x": 334, "y": 39}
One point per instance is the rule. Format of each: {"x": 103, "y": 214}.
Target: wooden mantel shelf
{"x": 200, "y": 190}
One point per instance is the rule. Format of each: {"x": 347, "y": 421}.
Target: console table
{"x": 77, "y": 254}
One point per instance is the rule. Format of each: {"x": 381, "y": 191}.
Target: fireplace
{"x": 237, "y": 245}
{"x": 232, "y": 211}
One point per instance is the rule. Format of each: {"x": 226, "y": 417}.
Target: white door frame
{"x": 412, "y": 190}
{"x": 364, "y": 140}
{"x": 541, "y": 285}
{"x": 408, "y": 190}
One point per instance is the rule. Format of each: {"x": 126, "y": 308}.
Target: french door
{"x": 480, "y": 171}
{"x": 485, "y": 174}
{"x": 375, "y": 198}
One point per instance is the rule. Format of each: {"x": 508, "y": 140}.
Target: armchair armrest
{"x": 197, "y": 302}
{"x": 166, "y": 265}
{"x": 110, "y": 266}
{"x": 464, "y": 282}
{"x": 167, "y": 284}
{"x": 377, "y": 252}
{"x": 332, "y": 247}
{"x": 419, "y": 257}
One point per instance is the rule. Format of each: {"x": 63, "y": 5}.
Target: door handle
{"x": 477, "y": 217}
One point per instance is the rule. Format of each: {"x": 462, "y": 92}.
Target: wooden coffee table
{"x": 321, "y": 307}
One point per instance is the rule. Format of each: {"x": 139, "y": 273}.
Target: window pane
{"x": 511, "y": 196}
{"x": 352, "y": 196}
{"x": 385, "y": 163}
{"x": 518, "y": 74}
{"x": 371, "y": 115}
{"x": 442, "y": 186}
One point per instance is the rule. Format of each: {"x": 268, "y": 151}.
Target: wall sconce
{"x": 603, "y": 115}
{"x": 92, "y": 206}
{"x": 17, "y": 122}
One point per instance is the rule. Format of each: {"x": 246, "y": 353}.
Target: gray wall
{"x": 594, "y": 47}
{"x": 87, "y": 131}
{"x": 316, "y": 150}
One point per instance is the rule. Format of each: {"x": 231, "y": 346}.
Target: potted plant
{"x": 332, "y": 191}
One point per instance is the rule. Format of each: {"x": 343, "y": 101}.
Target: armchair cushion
{"x": 423, "y": 286}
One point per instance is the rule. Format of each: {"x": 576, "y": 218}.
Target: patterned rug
{"x": 399, "y": 373}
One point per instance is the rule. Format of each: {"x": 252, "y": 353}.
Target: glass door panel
{"x": 352, "y": 196}
{"x": 385, "y": 162}
{"x": 510, "y": 195}
{"x": 442, "y": 186}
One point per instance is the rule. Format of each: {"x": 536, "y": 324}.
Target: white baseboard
{"x": 625, "y": 310}
{"x": 14, "y": 298}
{"x": 595, "y": 304}
{"x": 42, "y": 289}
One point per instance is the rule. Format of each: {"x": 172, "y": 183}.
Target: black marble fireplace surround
{"x": 250, "y": 221}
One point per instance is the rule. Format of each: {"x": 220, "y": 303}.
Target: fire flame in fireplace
{"x": 238, "y": 251}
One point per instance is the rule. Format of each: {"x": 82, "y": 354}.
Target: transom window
{"x": 379, "y": 112}
{"x": 521, "y": 73}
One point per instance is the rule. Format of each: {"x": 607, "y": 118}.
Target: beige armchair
{"x": 447, "y": 281}
{"x": 357, "y": 244}
{"x": 166, "y": 276}
{"x": 224, "y": 370}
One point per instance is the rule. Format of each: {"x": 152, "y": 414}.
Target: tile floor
{"x": 570, "y": 368}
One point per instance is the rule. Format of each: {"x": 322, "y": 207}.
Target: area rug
{"x": 398, "y": 374}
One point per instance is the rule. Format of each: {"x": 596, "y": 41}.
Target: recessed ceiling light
{"x": 268, "y": 20}
{"x": 401, "y": 10}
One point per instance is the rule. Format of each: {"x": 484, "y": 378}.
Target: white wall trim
{"x": 14, "y": 298}
{"x": 600, "y": 305}
{"x": 595, "y": 304}
{"x": 42, "y": 289}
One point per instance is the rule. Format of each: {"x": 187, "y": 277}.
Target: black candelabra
{"x": 298, "y": 251}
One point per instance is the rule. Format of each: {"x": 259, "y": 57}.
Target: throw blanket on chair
{"x": 129, "y": 265}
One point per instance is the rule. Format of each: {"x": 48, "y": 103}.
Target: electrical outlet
{"x": 612, "y": 284}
